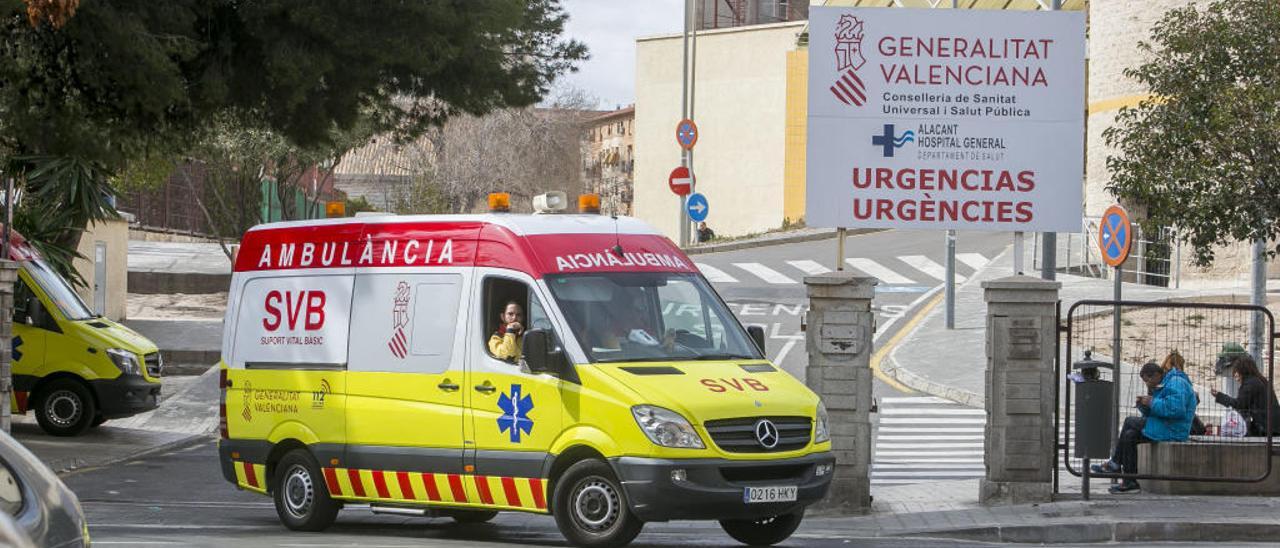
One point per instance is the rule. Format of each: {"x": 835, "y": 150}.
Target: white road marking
{"x": 715, "y": 275}
{"x": 954, "y": 411}
{"x": 811, "y": 268}
{"x": 895, "y": 420}
{"x": 879, "y": 271}
{"x": 926, "y": 265}
{"x": 919, "y": 400}
{"x": 935, "y": 466}
{"x": 765, "y": 273}
{"x": 975, "y": 260}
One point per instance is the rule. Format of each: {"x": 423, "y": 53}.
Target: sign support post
{"x": 1115, "y": 237}
{"x": 951, "y": 279}
{"x": 684, "y": 113}
{"x": 840, "y": 236}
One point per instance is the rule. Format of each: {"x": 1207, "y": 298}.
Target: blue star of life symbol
{"x": 17, "y": 354}
{"x": 515, "y": 413}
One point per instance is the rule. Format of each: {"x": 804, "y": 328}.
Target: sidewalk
{"x": 173, "y": 267}
{"x": 188, "y": 410}
{"x": 1129, "y": 518}
{"x": 188, "y": 347}
{"x": 951, "y": 363}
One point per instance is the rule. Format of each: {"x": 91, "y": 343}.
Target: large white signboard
{"x": 937, "y": 119}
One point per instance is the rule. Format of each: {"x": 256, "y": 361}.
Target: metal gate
{"x": 1151, "y": 332}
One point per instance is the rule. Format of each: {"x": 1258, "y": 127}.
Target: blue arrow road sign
{"x": 697, "y": 207}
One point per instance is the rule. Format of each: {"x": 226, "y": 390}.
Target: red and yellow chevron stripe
{"x": 527, "y": 494}
{"x": 251, "y": 476}
{"x": 499, "y": 492}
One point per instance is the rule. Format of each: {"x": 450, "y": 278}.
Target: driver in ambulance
{"x": 505, "y": 342}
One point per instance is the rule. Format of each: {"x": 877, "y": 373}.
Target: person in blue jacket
{"x": 1167, "y": 414}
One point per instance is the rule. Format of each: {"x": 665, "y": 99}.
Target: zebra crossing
{"x": 904, "y": 270}
{"x": 922, "y": 439}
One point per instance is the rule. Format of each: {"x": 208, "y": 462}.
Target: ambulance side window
{"x": 500, "y": 291}
{"x": 407, "y": 324}
{"x": 21, "y": 295}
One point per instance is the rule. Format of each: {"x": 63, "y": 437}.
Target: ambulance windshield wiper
{"x": 709, "y": 357}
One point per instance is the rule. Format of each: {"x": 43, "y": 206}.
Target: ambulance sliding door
{"x": 405, "y": 372}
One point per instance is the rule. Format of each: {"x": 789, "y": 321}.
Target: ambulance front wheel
{"x": 64, "y": 407}
{"x": 591, "y": 508}
{"x": 301, "y": 497}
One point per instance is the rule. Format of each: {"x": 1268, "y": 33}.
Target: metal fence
{"x": 1150, "y": 332}
{"x": 1154, "y": 259}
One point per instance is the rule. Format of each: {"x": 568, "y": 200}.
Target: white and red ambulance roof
{"x": 535, "y": 244}
{"x": 20, "y": 249}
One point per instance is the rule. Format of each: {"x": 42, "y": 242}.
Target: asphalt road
{"x": 908, "y": 263}
{"x": 180, "y": 499}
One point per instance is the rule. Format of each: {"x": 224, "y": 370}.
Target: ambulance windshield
{"x": 650, "y": 316}
{"x": 65, "y": 298}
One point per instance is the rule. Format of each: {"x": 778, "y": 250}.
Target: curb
{"x": 1120, "y": 531}
{"x": 919, "y": 383}
{"x": 765, "y": 241}
{"x": 179, "y": 443}
{"x": 185, "y": 370}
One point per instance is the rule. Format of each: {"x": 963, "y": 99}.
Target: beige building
{"x": 608, "y": 159}
{"x": 740, "y": 108}
{"x": 105, "y": 268}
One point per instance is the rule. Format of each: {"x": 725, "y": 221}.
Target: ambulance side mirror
{"x": 757, "y": 335}
{"x": 541, "y": 354}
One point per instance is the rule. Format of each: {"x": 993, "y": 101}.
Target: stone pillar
{"x": 8, "y": 277}
{"x": 838, "y": 331}
{"x": 1021, "y": 330}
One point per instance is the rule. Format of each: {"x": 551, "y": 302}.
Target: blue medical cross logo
{"x": 1114, "y": 236}
{"x": 888, "y": 142}
{"x": 515, "y": 413}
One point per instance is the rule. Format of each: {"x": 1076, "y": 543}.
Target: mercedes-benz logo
{"x": 766, "y": 433}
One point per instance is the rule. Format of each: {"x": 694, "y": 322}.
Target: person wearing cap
{"x": 1254, "y": 398}
{"x": 1226, "y": 359}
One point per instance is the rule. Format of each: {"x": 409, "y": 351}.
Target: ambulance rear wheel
{"x": 64, "y": 407}
{"x": 591, "y": 508}
{"x": 763, "y": 532}
{"x": 301, "y": 496}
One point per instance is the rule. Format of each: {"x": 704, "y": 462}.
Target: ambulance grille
{"x": 739, "y": 435}
{"x": 153, "y": 363}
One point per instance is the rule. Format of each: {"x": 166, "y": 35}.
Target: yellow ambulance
{"x": 75, "y": 369}
{"x": 374, "y": 361}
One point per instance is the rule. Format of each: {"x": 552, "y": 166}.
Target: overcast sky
{"x": 609, "y": 29}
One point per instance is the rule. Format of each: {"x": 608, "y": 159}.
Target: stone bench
{"x": 1213, "y": 457}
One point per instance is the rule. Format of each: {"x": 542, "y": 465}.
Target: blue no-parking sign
{"x": 697, "y": 207}
{"x": 1115, "y": 236}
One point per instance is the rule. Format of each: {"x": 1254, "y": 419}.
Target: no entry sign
{"x": 680, "y": 181}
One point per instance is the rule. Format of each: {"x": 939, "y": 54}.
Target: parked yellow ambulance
{"x": 356, "y": 369}
{"x": 74, "y": 368}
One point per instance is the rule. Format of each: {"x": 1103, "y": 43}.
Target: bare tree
{"x": 524, "y": 152}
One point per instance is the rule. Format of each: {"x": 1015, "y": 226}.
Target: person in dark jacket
{"x": 1254, "y": 397}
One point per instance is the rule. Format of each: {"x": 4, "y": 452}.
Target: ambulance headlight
{"x": 666, "y": 428}
{"x": 820, "y": 432}
{"x": 125, "y": 360}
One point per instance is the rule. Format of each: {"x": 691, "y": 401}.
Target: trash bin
{"x": 1095, "y": 408}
